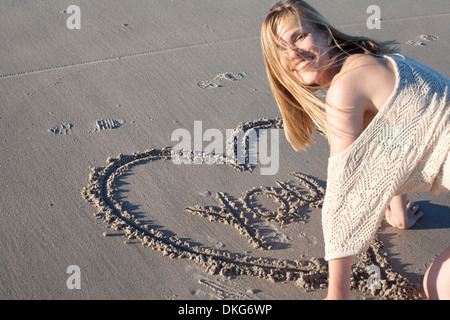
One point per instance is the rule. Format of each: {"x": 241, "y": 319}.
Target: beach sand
{"x": 87, "y": 177}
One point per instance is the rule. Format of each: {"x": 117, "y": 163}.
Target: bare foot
{"x": 403, "y": 217}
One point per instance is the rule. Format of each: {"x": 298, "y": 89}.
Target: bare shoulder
{"x": 354, "y": 96}
{"x": 364, "y": 80}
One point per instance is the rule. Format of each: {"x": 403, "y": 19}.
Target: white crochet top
{"x": 402, "y": 150}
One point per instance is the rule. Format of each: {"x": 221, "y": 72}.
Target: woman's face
{"x": 308, "y": 54}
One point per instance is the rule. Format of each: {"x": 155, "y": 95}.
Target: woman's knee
{"x": 436, "y": 281}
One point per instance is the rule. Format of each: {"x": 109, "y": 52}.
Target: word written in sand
{"x": 310, "y": 274}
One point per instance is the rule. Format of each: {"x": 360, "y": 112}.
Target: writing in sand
{"x": 309, "y": 274}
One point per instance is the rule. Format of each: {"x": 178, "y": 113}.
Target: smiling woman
{"x": 386, "y": 117}
{"x": 302, "y": 52}
{"x": 306, "y": 52}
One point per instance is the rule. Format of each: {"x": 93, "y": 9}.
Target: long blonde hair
{"x": 302, "y": 110}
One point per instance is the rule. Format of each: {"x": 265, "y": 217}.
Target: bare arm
{"x": 339, "y": 274}
{"x": 347, "y": 105}
{"x": 345, "y": 126}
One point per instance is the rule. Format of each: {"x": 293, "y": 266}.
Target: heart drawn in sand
{"x": 102, "y": 194}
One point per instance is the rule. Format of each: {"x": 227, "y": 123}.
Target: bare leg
{"x": 402, "y": 214}
{"x": 436, "y": 281}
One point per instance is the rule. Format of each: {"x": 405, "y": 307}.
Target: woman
{"x": 386, "y": 117}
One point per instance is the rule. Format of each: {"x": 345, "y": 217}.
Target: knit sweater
{"x": 402, "y": 150}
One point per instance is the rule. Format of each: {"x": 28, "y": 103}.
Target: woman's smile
{"x": 303, "y": 64}
{"x": 307, "y": 53}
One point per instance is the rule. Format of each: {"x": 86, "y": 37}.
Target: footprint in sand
{"x": 100, "y": 125}
{"x": 62, "y": 129}
{"x": 421, "y": 40}
{"x": 106, "y": 124}
{"x": 216, "y": 82}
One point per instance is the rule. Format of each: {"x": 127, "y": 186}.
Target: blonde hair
{"x": 302, "y": 110}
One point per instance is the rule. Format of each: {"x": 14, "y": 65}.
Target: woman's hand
{"x": 401, "y": 213}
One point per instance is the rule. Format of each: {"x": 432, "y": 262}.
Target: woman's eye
{"x": 300, "y": 37}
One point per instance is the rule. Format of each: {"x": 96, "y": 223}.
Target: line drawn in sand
{"x": 311, "y": 274}
{"x": 216, "y": 82}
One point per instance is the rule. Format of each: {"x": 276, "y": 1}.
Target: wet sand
{"x": 88, "y": 175}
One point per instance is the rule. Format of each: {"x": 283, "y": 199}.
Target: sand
{"x": 88, "y": 175}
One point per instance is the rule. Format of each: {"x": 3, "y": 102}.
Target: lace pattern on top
{"x": 401, "y": 150}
